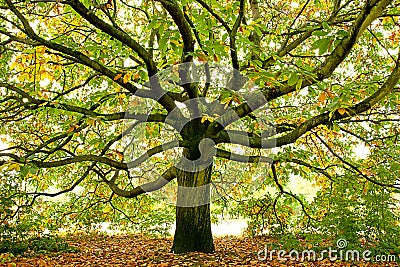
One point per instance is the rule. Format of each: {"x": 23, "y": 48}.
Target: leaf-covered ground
{"x": 145, "y": 251}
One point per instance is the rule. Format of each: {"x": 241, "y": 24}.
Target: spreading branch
{"x": 165, "y": 178}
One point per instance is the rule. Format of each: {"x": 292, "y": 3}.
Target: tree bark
{"x": 193, "y": 223}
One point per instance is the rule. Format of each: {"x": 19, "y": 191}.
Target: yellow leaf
{"x": 206, "y": 118}
{"x": 341, "y": 111}
{"x": 119, "y": 75}
{"x": 13, "y": 65}
{"x": 47, "y": 75}
{"x": 71, "y": 129}
{"x": 91, "y": 121}
{"x": 127, "y": 77}
{"x": 202, "y": 58}
{"x": 23, "y": 77}
{"x": 13, "y": 167}
{"x": 322, "y": 97}
{"x": 331, "y": 95}
{"x": 40, "y": 49}
{"x": 227, "y": 101}
{"x": 120, "y": 155}
{"x": 175, "y": 42}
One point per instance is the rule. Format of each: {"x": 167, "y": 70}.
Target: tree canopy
{"x": 108, "y": 101}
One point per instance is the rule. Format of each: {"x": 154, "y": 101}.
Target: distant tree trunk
{"x": 193, "y": 223}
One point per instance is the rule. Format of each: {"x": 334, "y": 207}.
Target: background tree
{"x": 73, "y": 71}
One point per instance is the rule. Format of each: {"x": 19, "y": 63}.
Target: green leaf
{"x": 342, "y": 34}
{"x": 326, "y": 26}
{"x": 322, "y": 45}
{"x": 320, "y": 33}
{"x": 162, "y": 44}
{"x": 299, "y": 83}
{"x": 257, "y": 30}
{"x": 24, "y": 171}
{"x": 161, "y": 29}
{"x": 293, "y": 78}
{"x": 153, "y": 24}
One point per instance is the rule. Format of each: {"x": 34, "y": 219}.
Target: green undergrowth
{"x": 16, "y": 241}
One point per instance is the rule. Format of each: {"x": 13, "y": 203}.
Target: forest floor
{"x": 145, "y": 251}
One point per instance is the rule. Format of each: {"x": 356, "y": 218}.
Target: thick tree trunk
{"x": 193, "y": 224}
